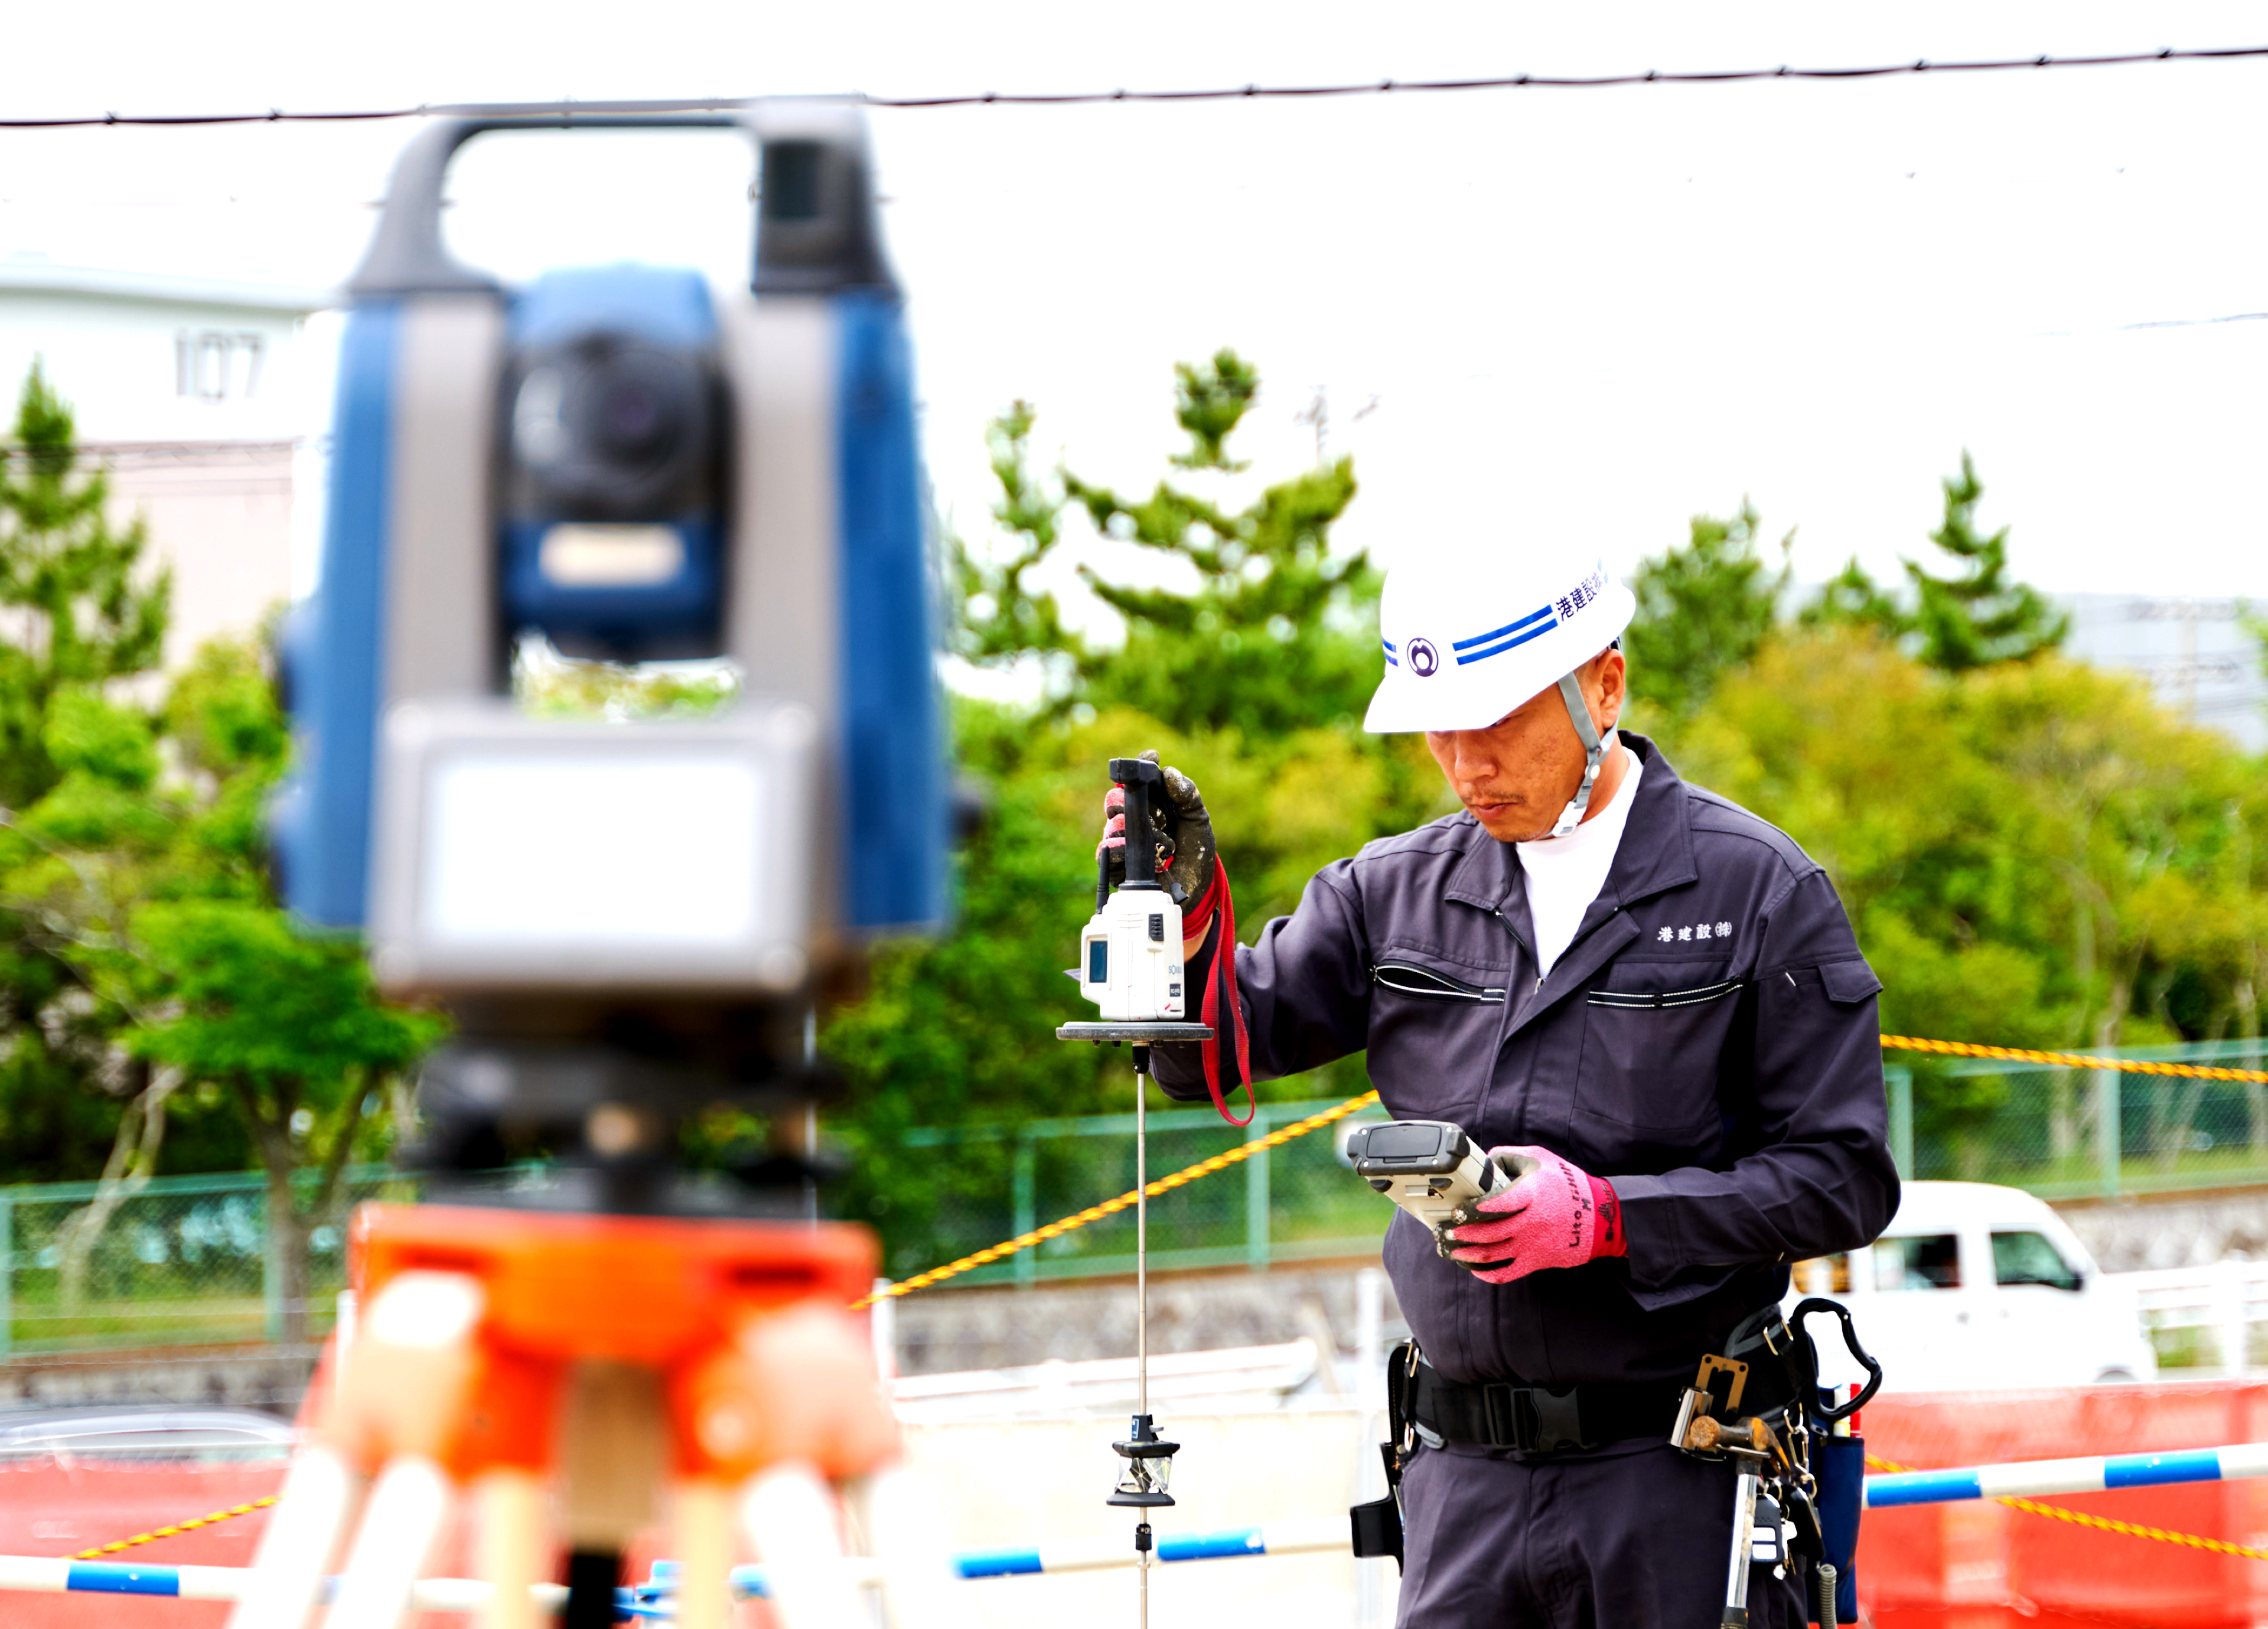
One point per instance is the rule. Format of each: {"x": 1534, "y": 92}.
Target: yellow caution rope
{"x": 2080, "y": 1060}
{"x": 1111, "y": 1207}
{"x": 1300, "y": 1128}
{"x": 2080, "y": 1518}
{"x": 1316, "y": 1122}
{"x": 178, "y": 1527}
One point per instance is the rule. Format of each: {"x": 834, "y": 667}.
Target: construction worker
{"x": 1637, "y": 984}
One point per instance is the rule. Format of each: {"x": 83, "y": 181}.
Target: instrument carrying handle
{"x": 1144, "y": 783}
{"x": 1820, "y": 1304}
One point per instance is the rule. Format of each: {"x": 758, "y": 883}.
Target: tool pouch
{"x": 1839, "y": 1464}
{"x": 1782, "y": 1349}
{"x": 1378, "y": 1521}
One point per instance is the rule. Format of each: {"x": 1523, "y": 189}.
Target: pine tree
{"x": 1978, "y": 618}
{"x": 75, "y": 610}
{"x": 1853, "y": 599}
{"x": 1278, "y": 635}
{"x": 79, "y": 606}
{"x": 1702, "y": 609}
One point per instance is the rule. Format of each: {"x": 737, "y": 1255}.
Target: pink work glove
{"x": 1554, "y": 1215}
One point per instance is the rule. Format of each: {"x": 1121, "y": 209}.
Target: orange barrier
{"x": 1985, "y": 1564}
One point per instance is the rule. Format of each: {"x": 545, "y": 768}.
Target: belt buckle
{"x": 1531, "y": 1419}
{"x": 1511, "y": 1423}
{"x": 1559, "y": 1419}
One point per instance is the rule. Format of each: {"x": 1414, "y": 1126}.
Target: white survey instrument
{"x": 1130, "y": 956}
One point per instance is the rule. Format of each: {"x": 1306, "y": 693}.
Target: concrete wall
{"x": 261, "y": 1377}
{"x": 2173, "y": 1230}
{"x": 947, "y": 1331}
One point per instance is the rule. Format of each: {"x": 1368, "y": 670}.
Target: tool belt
{"x": 1538, "y": 1419}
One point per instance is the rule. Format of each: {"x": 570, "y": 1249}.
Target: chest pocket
{"x": 1430, "y": 983}
{"x": 1434, "y": 1028}
{"x": 1655, "y": 1040}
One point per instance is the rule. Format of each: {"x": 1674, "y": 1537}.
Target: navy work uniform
{"x": 1707, "y": 1043}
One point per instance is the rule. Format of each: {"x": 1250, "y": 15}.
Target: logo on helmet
{"x": 1425, "y": 660}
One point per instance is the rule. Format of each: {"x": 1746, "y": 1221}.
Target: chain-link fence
{"x": 181, "y": 1260}
{"x": 189, "y": 1260}
{"x": 2078, "y": 1132}
{"x": 1293, "y": 1203}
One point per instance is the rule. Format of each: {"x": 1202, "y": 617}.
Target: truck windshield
{"x": 1929, "y": 1261}
{"x": 2029, "y": 1259}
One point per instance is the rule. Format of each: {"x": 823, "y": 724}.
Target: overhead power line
{"x": 1220, "y": 94}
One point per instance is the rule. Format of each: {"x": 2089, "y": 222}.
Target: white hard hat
{"x": 1472, "y": 631}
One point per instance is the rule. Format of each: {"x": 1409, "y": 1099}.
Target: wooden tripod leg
{"x": 921, "y": 1586}
{"x": 512, "y": 1547}
{"x": 790, "y": 1517}
{"x": 320, "y": 1492}
{"x": 406, "y": 1506}
{"x": 703, "y": 1517}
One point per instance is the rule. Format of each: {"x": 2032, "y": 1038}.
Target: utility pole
{"x": 1318, "y": 413}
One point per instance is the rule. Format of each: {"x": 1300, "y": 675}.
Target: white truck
{"x": 1974, "y": 1287}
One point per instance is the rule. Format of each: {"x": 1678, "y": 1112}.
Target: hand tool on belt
{"x": 1755, "y": 1406}
{"x": 1759, "y": 1405}
{"x": 1424, "y": 1406}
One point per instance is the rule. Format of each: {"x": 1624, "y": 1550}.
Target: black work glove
{"x": 1179, "y": 826}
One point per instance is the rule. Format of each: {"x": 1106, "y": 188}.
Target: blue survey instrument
{"x": 632, "y": 466}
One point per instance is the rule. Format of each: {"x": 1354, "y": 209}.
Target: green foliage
{"x": 77, "y": 609}
{"x": 143, "y": 873}
{"x": 81, "y": 607}
{"x": 149, "y": 977}
{"x": 1702, "y": 610}
{"x": 1209, "y": 403}
{"x": 2033, "y": 853}
{"x": 1278, "y": 632}
{"x": 548, "y": 684}
{"x": 284, "y": 1019}
{"x": 1972, "y": 617}
{"x": 999, "y": 617}
{"x": 1978, "y": 618}
{"x": 1252, "y": 681}
{"x": 1852, "y": 599}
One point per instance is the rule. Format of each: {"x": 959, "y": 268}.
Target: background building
{"x": 200, "y": 399}
{"x": 2196, "y": 652}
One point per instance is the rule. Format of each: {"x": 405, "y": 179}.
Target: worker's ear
{"x": 1610, "y": 673}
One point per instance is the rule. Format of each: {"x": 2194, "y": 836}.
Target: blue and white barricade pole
{"x": 46, "y": 1576}
{"x": 1315, "y": 1536}
{"x": 2096, "y": 1474}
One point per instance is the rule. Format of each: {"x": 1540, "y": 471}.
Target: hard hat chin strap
{"x": 1595, "y": 752}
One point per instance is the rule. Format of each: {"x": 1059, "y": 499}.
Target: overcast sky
{"x": 1569, "y": 312}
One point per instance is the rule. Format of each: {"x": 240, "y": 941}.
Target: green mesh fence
{"x": 188, "y": 1260}
{"x": 2074, "y": 1133}
{"x": 184, "y": 1260}
{"x": 1297, "y": 1202}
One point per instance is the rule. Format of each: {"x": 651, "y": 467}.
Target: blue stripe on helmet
{"x": 1497, "y": 650}
{"x": 1486, "y": 638}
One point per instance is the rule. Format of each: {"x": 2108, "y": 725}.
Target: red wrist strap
{"x": 1607, "y": 1235}
{"x": 1198, "y": 912}
{"x": 1221, "y": 996}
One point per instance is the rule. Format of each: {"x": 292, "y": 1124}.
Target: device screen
{"x": 1098, "y": 961}
{"x": 1403, "y": 1140}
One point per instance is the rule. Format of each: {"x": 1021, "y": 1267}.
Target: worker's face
{"x": 1516, "y": 775}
